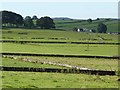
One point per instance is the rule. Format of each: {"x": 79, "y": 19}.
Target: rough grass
{"x": 92, "y": 63}
{"x": 20, "y": 63}
{"x": 56, "y": 80}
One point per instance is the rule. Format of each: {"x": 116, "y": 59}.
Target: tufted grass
{"x": 56, "y": 80}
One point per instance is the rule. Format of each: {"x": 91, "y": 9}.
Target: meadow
{"x": 56, "y": 36}
{"x": 56, "y": 80}
{"x": 19, "y": 63}
{"x": 64, "y": 49}
{"x": 92, "y": 63}
{"x": 65, "y": 34}
{"x": 14, "y": 79}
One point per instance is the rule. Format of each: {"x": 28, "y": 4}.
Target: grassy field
{"x": 93, "y": 63}
{"x": 56, "y": 80}
{"x": 66, "y": 49}
{"x": 56, "y": 36}
{"x": 112, "y": 25}
{"x": 20, "y": 63}
{"x": 59, "y": 80}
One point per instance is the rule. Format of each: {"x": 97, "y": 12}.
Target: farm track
{"x": 22, "y": 42}
{"x": 60, "y": 55}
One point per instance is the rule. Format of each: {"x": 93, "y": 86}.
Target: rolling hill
{"x": 69, "y": 24}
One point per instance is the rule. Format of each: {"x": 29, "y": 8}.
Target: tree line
{"x": 11, "y": 19}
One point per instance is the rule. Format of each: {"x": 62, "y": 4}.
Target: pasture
{"x": 21, "y": 63}
{"x": 56, "y": 80}
{"x": 59, "y": 80}
{"x": 56, "y": 36}
{"x": 92, "y": 63}
{"x": 64, "y": 49}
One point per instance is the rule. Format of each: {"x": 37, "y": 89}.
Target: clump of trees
{"x": 45, "y": 23}
{"x": 11, "y": 19}
{"x": 28, "y": 23}
{"x": 89, "y": 20}
{"x": 102, "y": 28}
{"x": 98, "y": 19}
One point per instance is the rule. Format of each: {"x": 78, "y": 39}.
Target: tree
{"x": 89, "y": 20}
{"x": 98, "y": 19}
{"x": 102, "y": 28}
{"x": 28, "y": 23}
{"x": 34, "y": 19}
{"x": 45, "y": 23}
{"x": 18, "y": 20}
{"x": 11, "y": 18}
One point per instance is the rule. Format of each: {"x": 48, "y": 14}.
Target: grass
{"x": 20, "y": 63}
{"x": 59, "y": 80}
{"x": 66, "y": 49}
{"x": 92, "y": 63}
{"x": 56, "y": 80}
{"x": 56, "y": 36}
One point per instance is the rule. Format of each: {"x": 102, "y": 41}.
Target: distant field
{"x": 112, "y": 25}
{"x": 56, "y": 35}
{"x": 56, "y": 80}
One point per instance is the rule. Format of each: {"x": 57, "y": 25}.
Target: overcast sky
{"x": 71, "y": 9}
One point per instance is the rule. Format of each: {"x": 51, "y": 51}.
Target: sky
{"x": 72, "y": 9}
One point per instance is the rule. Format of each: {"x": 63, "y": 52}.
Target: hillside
{"x": 69, "y": 24}
{"x": 62, "y": 18}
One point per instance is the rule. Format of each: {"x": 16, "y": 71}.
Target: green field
{"x": 92, "y": 63}
{"x": 59, "y": 80}
{"x": 56, "y": 80}
{"x": 112, "y": 25}
{"x": 65, "y": 49}
{"x": 20, "y": 63}
{"x": 56, "y": 36}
